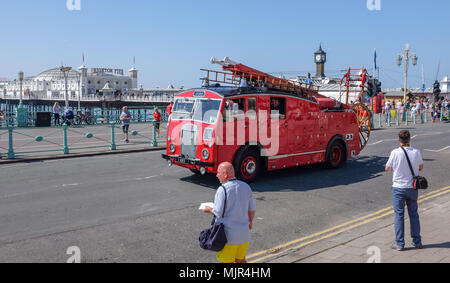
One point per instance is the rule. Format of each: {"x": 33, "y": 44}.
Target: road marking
{"x": 378, "y": 142}
{"x": 413, "y": 137}
{"x": 150, "y": 177}
{"x": 439, "y": 150}
{"x": 70, "y": 185}
{"x": 278, "y": 250}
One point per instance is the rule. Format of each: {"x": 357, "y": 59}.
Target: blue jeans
{"x": 400, "y": 197}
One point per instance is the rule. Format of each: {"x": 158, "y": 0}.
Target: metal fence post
{"x": 398, "y": 118}
{"x": 407, "y": 117}
{"x": 371, "y": 118}
{"x": 415, "y": 118}
{"x": 379, "y": 120}
{"x": 442, "y": 114}
{"x": 113, "y": 139}
{"x": 65, "y": 146}
{"x": 11, "y": 154}
{"x": 155, "y": 142}
{"x": 426, "y": 115}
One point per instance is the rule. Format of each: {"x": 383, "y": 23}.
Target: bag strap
{"x": 225, "y": 205}
{"x": 409, "y": 163}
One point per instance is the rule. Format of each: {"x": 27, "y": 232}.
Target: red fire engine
{"x": 262, "y": 123}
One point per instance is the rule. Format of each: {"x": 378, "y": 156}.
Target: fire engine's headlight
{"x": 208, "y": 134}
{"x": 205, "y": 154}
{"x": 172, "y": 148}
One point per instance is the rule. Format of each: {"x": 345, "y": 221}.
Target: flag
{"x": 375, "y": 60}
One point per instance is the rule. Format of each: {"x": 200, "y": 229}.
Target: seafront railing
{"x": 100, "y": 98}
{"x": 111, "y": 115}
{"x": 34, "y": 142}
{"x": 408, "y": 117}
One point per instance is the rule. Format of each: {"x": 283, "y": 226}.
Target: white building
{"x": 331, "y": 87}
{"x": 51, "y": 83}
{"x": 445, "y": 86}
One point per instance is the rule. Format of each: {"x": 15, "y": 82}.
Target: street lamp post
{"x": 79, "y": 91}
{"x": 65, "y": 71}
{"x": 21, "y": 75}
{"x": 406, "y": 56}
{"x": 21, "y": 111}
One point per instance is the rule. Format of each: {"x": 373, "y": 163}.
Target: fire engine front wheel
{"x": 336, "y": 155}
{"x": 247, "y": 165}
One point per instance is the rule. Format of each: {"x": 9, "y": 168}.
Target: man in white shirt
{"x": 403, "y": 190}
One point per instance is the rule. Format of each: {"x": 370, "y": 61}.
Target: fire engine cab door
{"x": 278, "y": 116}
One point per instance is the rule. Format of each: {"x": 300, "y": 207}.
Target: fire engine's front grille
{"x": 188, "y": 144}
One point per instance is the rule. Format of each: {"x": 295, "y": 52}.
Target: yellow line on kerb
{"x": 362, "y": 221}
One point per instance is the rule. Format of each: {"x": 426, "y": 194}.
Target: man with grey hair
{"x": 239, "y": 209}
{"x": 126, "y": 119}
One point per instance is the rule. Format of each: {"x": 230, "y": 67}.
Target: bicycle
{"x": 81, "y": 119}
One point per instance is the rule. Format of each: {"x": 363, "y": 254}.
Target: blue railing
{"x": 28, "y": 142}
{"x": 395, "y": 118}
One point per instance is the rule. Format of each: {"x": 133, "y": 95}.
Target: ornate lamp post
{"x": 406, "y": 56}
{"x": 21, "y": 112}
{"x": 65, "y": 71}
{"x": 21, "y": 75}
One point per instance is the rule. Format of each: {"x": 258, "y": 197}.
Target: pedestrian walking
{"x": 388, "y": 108}
{"x": 401, "y": 110}
{"x": 238, "y": 217}
{"x": 403, "y": 191}
{"x": 413, "y": 111}
{"x": 57, "y": 114}
{"x": 125, "y": 117}
{"x": 2, "y": 117}
{"x": 169, "y": 110}
{"x": 157, "y": 118}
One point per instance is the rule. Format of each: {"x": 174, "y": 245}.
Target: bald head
{"x": 225, "y": 172}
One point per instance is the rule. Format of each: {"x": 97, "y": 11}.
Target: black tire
{"x": 78, "y": 121}
{"x": 195, "y": 171}
{"x": 336, "y": 155}
{"x": 248, "y": 165}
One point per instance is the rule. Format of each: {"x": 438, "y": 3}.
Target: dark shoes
{"x": 396, "y": 247}
{"x": 419, "y": 246}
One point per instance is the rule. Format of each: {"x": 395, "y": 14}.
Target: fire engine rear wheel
{"x": 247, "y": 165}
{"x": 364, "y": 118}
{"x": 336, "y": 155}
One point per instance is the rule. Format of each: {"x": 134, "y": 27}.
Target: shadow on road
{"x": 308, "y": 178}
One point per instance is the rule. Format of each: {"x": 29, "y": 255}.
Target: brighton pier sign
{"x": 108, "y": 71}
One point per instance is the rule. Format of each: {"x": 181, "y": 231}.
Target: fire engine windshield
{"x": 202, "y": 110}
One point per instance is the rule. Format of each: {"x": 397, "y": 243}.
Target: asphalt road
{"x": 133, "y": 208}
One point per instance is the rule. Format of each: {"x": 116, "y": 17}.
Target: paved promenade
{"x": 370, "y": 239}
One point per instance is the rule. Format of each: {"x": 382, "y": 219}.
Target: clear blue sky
{"x": 173, "y": 39}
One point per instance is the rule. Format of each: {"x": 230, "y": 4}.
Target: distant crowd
{"x": 417, "y": 108}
